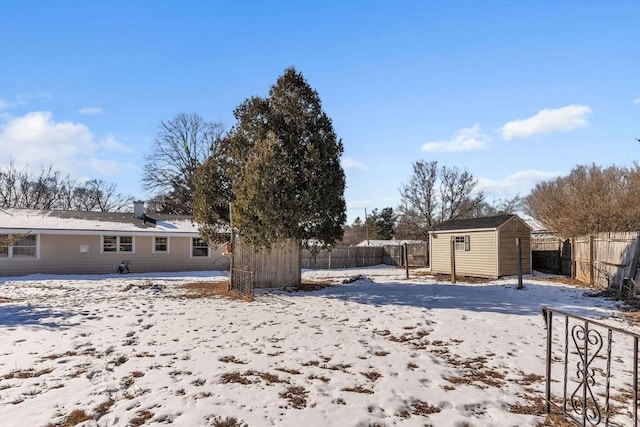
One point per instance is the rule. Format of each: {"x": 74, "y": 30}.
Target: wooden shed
{"x": 482, "y": 247}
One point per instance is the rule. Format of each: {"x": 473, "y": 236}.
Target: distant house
{"x": 73, "y": 242}
{"x": 392, "y": 242}
{"x": 483, "y": 247}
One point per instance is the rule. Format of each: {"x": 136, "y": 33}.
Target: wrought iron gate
{"x": 599, "y": 387}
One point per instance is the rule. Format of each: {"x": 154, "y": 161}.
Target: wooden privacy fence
{"x": 275, "y": 268}
{"x": 604, "y": 260}
{"x": 363, "y": 256}
{"x": 551, "y": 255}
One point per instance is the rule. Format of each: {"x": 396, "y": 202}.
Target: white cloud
{"x": 466, "y": 139}
{"x": 22, "y": 99}
{"x": 520, "y": 182}
{"x": 90, "y": 111}
{"x": 5, "y": 105}
{"x": 547, "y": 121}
{"x": 358, "y": 204}
{"x": 636, "y": 101}
{"x": 37, "y": 140}
{"x": 349, "y": 163}
{"x": 110, "y": 167}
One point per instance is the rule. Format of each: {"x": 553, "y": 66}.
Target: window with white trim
{"x": 160, "y": 244}
{"x": 4, "y": 246}
{"x": 19, "y": 247}
{"x": 199, "y": 247}
{"x": 462, "y": 243}
{"x": 117, "y": 243}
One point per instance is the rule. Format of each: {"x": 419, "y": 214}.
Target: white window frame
{"x": 10, "y": 249}
{"x": 193, "y": 240}
{"x": 462, "y": 243}
{"x": 155, "y": 251}
{"x": 118, "y": 244}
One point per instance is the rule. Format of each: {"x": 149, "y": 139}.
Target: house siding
{"x": 60, "y": 254}
{"x": 479, "y": 261}
{"x": 507, "y": 247}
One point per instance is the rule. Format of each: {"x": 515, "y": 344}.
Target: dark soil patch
{"x": 566, "y": 281}
{"x": 313, "y": 285}
{"x": 462, "y": 279}
{"x": 212, "y": 290}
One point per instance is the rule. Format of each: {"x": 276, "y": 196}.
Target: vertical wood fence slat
{"x": 364, "y": 256}
{"x": 603, "y": 260}
{"x": 278, "y": 267}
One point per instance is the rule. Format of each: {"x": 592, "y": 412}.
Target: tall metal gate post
{"x": 548, "y": 319}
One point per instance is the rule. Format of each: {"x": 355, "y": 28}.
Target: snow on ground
{"x": 128, "y": 350}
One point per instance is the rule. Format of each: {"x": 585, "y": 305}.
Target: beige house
{"x": 72, "y": 242}
{"x": 482, "y": 247}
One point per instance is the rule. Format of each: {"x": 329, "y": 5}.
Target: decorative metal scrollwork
{"x": 588, "y": 343}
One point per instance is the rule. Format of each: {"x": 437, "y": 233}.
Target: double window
{"x": 18, "y": 246}
{"x": 117, "y": 243}
{"x": 199, "y": 247}
{"x": 462, "y": 243}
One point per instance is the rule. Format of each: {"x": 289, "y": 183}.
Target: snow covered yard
{"x": 135, "y": 349}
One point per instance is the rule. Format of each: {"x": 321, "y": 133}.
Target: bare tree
{"x": 419, "y": 202}
{"x": 181, "y": 146}
{"x": 49, "y": 189}
{"x": 97, "y": 195}
{"x": 434, "y": 195}
{"x": 20, "y": 188}
{"x": 507, "y": 206}
{"x": 590, "y": 199}
{"x": 456, "y": 188}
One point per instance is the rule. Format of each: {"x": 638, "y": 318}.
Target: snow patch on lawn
{"x": 127, "y": 349}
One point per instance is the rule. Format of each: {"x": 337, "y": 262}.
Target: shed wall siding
{"x": 508, "y": 253}
{"x": 479, "y": 261}
{"x": 60, "y": 254}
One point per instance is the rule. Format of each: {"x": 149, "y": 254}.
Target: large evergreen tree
{"x": 279, "y": 166}
{"x": 381, "y": 225}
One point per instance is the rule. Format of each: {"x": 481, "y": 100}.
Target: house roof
{"x": 12, "y": 219}
{"x": 373, "y": 242}
{"x": 486, "y": 222}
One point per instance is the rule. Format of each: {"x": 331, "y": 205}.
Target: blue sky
{"x": 513, "y": 91}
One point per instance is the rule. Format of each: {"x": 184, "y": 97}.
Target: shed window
{"x": 25, "y": 246}
{"x": 117, "y": 243}
{"x": 462, "y": 243}
{"x": 199, "y": 247}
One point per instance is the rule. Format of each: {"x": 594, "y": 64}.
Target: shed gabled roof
{"x": 486, "y": 222}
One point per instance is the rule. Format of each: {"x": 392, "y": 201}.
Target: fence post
{"x": 453, "y": 259}
{"x": 591, "y": 261}
{"x": 573, "y": 258}
{"x": 406, "y": 259}
{"x": 560, "y": 256}
{"x": 548, "y": 314}
{"x": 519, "y": 255}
